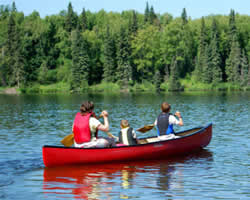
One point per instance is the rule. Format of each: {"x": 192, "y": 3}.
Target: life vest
{"x": 163, "y": 127}
{"x": 81, "y": 128}
{"x": 126, "y": 136}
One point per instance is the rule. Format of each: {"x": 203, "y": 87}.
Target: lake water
{"x": 220, "y": 171}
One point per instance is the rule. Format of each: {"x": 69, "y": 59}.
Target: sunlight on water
{"x": 221, "y": 171}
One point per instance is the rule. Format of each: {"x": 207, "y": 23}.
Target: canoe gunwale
{"x": 201, "y": 129}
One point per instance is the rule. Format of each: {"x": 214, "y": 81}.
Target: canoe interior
{"x": 156, "y": 139}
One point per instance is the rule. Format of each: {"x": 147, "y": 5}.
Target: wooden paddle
{"x": 68, "y": 140}
{"x": 146, "y": 128}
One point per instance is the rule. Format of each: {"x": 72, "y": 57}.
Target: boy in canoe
{"x": 165, "y": 121}
{"x": 127, "y": 135}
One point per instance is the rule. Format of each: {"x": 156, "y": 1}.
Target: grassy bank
{"x": 47, "y": 89}
{"x": 191, "y": 85}
{"x": 145, "y": 87}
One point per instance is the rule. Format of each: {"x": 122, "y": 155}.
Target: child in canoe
{"x": 127, "y": 135}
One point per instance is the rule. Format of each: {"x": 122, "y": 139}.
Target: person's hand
{"x": 178, "y": 114}
{"x": 105, "y": 113}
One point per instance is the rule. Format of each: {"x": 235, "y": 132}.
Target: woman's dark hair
{"x": 86, "y": 107}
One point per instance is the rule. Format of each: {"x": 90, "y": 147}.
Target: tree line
{"x": 124, "y": 48}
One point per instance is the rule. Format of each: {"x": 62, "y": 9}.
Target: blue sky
{"x": 195, "y": 8}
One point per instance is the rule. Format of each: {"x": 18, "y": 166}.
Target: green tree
{"x": 184, "y": 16}
{"x": 83, "y": 20}
{"x": 215, "y": 59}
{"x": 43, "y": 72}
{"x": 157, "y": 81}
{"x": 133, "y": 24}
{"x": 94, "y": 51}
{"x": 207, "y": 73}
{"x": 152, "y": 16}
{"x": 18, "y": 72}
{"x": 201, "y": 51}
{"x": 232, "y": 25}
{"x": 124, "y": 69}
{"x": 80, "y": 62}
{"x": 174, "y": 83}
{"x": 71, "y": 19}
{"x": 109, "y": 60}
{"x": 147, "y": 14}
{"x": 244, "y": 69}
{"x": 13, "y": 8}
{"x": 11, "y": 48}
{"x": 146, "y": 52}
{"x": 233, "y": 62}
{"x": 51, "y": 52}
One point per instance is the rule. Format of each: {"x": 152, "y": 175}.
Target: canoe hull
{"x": 55, "y": 155}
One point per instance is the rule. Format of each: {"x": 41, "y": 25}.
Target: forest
{"x": 127, "y": 51}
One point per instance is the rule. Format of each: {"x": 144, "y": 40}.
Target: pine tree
{"x": 184, "y": 16}
{"x": 233, "y": 63}
{"x": 157, "y": 80}
{"x": 152, "y": 15}
{"x": 174, "y": 83}
{"x": 133, "y": 24}
{"x": 201, "y": 51}
{"x": 232, "y": 32}
{"x": 215, "y": 58}
{"x": 71, "y": 20}
{"x": 43, "y": 71}
{"x": 124, "y": 69}
{"x": 232, "y": 26}
{"x": 133, "y": 27}
{"x": 166, "y": 71}
{"x": 244, "y": 69}
{"x": 207, "y": 72}
{"x": 13, "y": 8}
{"x": 146, "y": 14}
{"x": 80, "y": 62}
{"x": 109, "y": 53}
{"x": 11, "y": 48}
{"x": 18, "y": 71}
{"x": 83, "y": 21}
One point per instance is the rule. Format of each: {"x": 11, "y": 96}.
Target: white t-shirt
{"x": 93, "y": 124}
{"x": 172, "y": 120}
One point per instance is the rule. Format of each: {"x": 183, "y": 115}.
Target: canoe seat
{"x": 156, "y": 139}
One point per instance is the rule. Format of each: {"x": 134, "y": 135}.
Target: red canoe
{"x": 149, "y": 148}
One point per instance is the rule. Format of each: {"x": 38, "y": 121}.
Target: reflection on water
{"x": 108, "y": 181}
{"x": 27, "y": 122}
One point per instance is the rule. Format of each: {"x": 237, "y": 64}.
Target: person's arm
{"x": 178, "y": 114}
{"x": 104, "y": 127}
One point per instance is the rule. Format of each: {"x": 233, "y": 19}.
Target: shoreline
{"x": 16, "y": 91}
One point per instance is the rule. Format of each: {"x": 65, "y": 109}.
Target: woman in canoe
{"x": 86, "y": 126}
{"x": 165, "y": 121}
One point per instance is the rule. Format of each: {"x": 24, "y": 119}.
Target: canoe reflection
{"x": 105, "y": 180}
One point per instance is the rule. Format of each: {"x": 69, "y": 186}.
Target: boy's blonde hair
{"x": 124, "y": 123}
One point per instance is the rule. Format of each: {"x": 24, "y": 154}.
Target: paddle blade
{"x": 146, "y": 128}
{"x": 68, "y": 140}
